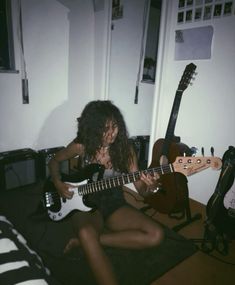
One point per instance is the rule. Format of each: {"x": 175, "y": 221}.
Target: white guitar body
{"x": 67, "y": 205}
{"x": 229, "y": 198}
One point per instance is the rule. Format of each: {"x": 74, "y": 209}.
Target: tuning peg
{"x": 194, "y": 76}
{"x": 194, "y": 150}
{"x": 212, "y": 151}
{"x": 202, "y": 151}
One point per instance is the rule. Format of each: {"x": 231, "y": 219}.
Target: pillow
{"x": 19, "y": 264}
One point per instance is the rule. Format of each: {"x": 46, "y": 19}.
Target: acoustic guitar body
{"x": 173, "y": 194}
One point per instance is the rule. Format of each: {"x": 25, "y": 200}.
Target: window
{"x": 7, "y": 60}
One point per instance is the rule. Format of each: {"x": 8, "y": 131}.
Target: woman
{"x": 102, "y": 138}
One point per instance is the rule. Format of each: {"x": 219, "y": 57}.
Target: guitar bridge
{"x": 48, "y": 201}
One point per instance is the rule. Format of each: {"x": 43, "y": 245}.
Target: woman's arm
{"x": 72, "y": 150}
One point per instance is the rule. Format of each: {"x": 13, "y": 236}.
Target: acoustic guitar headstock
{"x": 187, "y": 76}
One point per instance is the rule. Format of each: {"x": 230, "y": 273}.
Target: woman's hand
{"x": 64, "y": 189}
{"x": 152, "y": 183}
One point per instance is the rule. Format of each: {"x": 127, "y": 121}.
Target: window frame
{"x": 6, "y": 41}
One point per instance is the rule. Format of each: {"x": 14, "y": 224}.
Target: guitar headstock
{"x": 187, "y": 76}
{"x": 189, "y": 165}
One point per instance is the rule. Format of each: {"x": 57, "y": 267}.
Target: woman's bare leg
{"x": 73, "y": 242}
{"x": 87, "y": 229}
{"x": 96, "y": 257}
{"x": 129, "y": 228}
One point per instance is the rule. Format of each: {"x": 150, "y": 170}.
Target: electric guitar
{"x": 58, "y": 207}
{"x": 220, "y": 208}
{"x": 229, "y": 199}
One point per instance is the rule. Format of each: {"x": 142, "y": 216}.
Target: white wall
{"x": 125, "y": 58}
{"x": 206, "y": 115}
{"x": 66, "y": 45}
{"x": 59, "y": 53}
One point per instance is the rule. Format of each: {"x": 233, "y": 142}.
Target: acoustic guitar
{"x": 173, "y": 194}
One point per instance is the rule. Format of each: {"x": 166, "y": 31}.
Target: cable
{"x": 209, "y": 250}
{"x": 217, "y": 258}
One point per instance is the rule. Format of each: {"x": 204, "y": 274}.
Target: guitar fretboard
{"x": 172, "y": 122}
{"x": 185, "y": 80}
{"x": 121, "y": 180}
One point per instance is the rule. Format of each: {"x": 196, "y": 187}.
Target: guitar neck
{"x": 172, "y": 122}
{"x": 183, "y": 84}
{"x": 121, "y": 179}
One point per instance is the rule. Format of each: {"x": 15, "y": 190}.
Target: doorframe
{"x": 159, "y": 72}
{"x": 158, "y": 77}
{"x": 108, "y": 49}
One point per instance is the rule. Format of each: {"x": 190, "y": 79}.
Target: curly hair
{"x": 91, "y": 126}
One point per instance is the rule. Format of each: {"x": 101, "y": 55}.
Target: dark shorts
{"x": 107, "y": 201}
